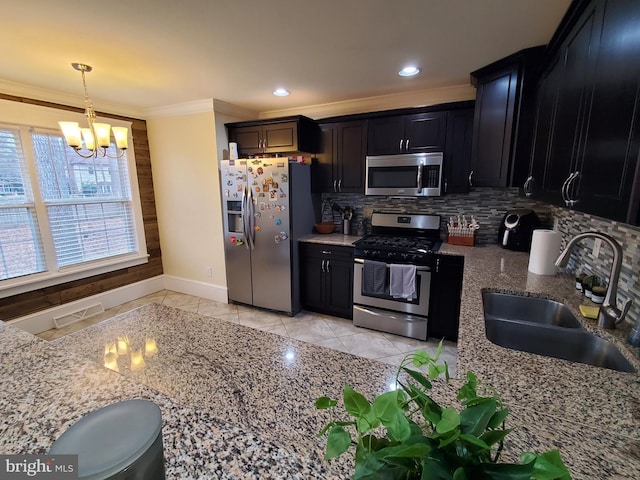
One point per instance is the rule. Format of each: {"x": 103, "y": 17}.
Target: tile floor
{"x": 330, "y": 332}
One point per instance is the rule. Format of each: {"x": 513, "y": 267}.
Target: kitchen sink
{"x": 504, "y": 306}
{"x": 527, "y": 324}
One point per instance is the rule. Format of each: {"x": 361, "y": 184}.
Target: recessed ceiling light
{"x": 281, "y": 92}
{"x": 409, "y": 71}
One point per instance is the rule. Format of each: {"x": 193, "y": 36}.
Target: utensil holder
{"x": 346, "y": 227}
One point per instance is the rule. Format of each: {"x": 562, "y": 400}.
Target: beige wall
{"x": 186, "y": 181}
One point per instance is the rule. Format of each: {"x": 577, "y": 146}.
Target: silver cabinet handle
{"x": 406, "y": 144}
{"x": 335, "y": 185}
{"x": 528, "y": 189}
{"x": 568, "y": 201}
{"x": 572, "y": 201}
{"x": 471, "y": 178}
{"x": 322, "y": 266}
{"x": 328, "y": 262}
{"x": 401, "y": 140}
{"x": 340, "y": 185}
{"x": 326, "y": 252}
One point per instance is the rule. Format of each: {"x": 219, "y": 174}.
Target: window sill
{"x": 41, "y": 280}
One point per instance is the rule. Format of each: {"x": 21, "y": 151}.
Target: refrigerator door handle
{"x": 250, "y": 233}
{"x": 244, "y": 216}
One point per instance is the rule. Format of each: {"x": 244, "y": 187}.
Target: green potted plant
{"x": 405, "y": 434}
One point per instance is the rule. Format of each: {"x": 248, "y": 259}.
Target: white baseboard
{"x": 42, "y": 321}
{"x": 217, "y": 293}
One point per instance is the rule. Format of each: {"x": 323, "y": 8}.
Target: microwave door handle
{"x": 419, "y": 179}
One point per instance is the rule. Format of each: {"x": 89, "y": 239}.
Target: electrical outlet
{"x": 597, "y": 243}
{"x": 555, "y": 223}
{"x": 367, "y": 212}
{"x": 209, "y": 272}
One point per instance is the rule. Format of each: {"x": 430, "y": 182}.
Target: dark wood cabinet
{"x": 457, "y": 154}
{"x": 327, "y": 279}
{"x": 339, "y": 164}
{"x": 445, "y": 297}
{"x": 416, "y": 133}
{"x": 587, "y": 138}
{"x": 290, "y": 134}
{"x": 502, "y": 126}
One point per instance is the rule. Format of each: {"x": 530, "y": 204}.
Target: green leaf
{"x": 368, "y": 467}
{"x": 420, "y": 357}
{"x": 549, "y": 466}
{"x": 435, "y": 371}
{"x": 418, "y": 377}
{"x": 468, "y": 390}
{"x": 459, "y": 474}
{"x": 398, "y": 427}
{"x": 448, "y": 438}
{"x": 417, "y": 450}
{"x": 355, "y": 403}
{"x": 371, "y": 443}
{"x": 449, "y": 421}
{"x": 491, "y": 437}
{"x": 386, "y": 406}
{"x": 473, "y": 440}
{"x": 474, "y": 419}
{"x": 367, "y": 421}
{"x": 498, "y": 418}
{"x": 338, "y": 442}
{"x": 434, "y": 469}
{"x": 504, "y": 471}
{"x": 322, "y": 403}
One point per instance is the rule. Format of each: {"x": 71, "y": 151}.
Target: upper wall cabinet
{"x": 457, "y": 154}
{"x": 587, "y": 131}
{"x": 290, "y": 134}
{"x": 415, "y": 133}
{"x": 502, "y": 123}
{"x": 339, "y": 164}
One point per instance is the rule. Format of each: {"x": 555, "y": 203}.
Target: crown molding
{"x": 226, "y": 108}
{"x": 419, "y": 98}
{"x": 179, "y": 109}
{"x": 64, "y": 98}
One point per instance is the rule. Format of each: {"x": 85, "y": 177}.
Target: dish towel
{"x": 374, "y": 278}
{"x": 402, "y": 281}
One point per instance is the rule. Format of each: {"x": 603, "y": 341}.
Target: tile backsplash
{"x": 488, "y": 206}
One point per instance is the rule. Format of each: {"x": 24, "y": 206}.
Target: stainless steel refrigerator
{"x": 267, "y": 205}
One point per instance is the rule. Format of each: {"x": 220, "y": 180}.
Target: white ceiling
{"x": 153, "y": 53}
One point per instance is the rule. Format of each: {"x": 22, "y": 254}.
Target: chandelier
{"x": 96, "y": 138}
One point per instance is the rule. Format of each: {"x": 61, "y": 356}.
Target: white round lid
{"x": 111, "y": 438}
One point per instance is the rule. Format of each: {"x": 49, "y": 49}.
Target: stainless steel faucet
{"x": 610, "y": 315}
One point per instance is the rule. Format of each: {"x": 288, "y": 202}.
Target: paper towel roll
{"x": 233, "y": 151}
{"x": 545, "y": 248}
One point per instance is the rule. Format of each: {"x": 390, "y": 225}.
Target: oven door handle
{"x": 418, "y": 268}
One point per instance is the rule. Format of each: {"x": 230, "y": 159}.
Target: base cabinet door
{"x": 445, "y": 297}
{"x": 327, "y": 277}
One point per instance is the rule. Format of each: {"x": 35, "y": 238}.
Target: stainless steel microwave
{"x": 410, "y": 174}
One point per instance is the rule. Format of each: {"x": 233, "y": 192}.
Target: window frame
{"x": 29, "y": 118}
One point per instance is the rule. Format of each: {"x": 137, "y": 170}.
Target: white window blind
{"x": 88, "y": 202}
{"x": 21, "y": 250}
{"x": 63, "y": 217}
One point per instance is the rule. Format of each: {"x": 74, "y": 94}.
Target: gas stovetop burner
{"x": 401, "y": 238}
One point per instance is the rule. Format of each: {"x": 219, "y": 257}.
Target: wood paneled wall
{"x": 30, "y": 302}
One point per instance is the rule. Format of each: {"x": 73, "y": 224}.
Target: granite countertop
{"x": 331, "y": 239}
{"x": 251, "y": 416}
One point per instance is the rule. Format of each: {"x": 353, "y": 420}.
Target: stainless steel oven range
{"x": 397, "y": 254}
